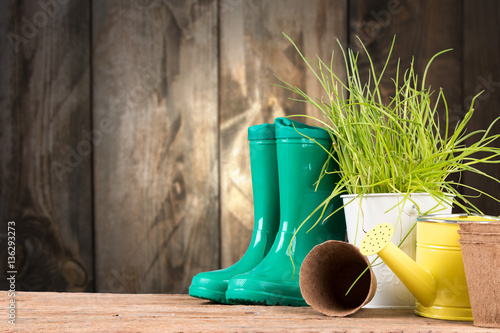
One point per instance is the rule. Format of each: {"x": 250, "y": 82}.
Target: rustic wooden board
{"x": 156, "y": 169}
{"x": 45, "y": 157}
{"x": 415, "y": 24}
{"x": 422, "y": 29}
{"x": 482, "y": 72}
{"x": 78, "y": 312}
{"x": 252, "y": 48}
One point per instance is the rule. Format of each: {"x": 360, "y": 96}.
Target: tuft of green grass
{"x": 394, "y": 147}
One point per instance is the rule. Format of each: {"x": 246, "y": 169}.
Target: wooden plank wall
{"x": 252, "y": 48}
{"x": 46, "y": 174}
{"x": 482, "y": 73}
{"x": 156, "y": 172}
{"x": 166, "y": 91}
{"x": 415, "y": 24}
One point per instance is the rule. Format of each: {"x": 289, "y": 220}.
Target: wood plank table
{"x": 88, "y": 312}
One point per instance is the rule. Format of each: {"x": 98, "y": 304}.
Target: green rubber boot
{"x": 300, "y": 161}
{"x": 263, "y": 163}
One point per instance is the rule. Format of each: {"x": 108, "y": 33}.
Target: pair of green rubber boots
{"x": 286, "y": 160}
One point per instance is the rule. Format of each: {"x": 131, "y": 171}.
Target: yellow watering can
{"x": 437, "y": 278}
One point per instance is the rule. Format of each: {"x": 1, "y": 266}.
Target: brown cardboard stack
{"x": 480, "y": 244}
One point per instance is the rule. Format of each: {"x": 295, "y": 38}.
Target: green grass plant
{"x": 400, "y": 146}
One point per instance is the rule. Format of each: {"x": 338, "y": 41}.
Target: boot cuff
{"x": 261, "y": 132}
{"x": 291, "y": 129}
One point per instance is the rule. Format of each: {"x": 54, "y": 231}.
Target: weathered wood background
{"x": 165, "y": 90}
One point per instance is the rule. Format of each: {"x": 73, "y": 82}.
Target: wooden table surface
{"x": 86, "y": 312}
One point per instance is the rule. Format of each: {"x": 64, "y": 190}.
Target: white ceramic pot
{"x": 364, "y": 213}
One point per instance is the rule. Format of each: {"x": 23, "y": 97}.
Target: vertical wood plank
{"x": 422, "y": 29}
{"x": 482, "y": 72}
{"x": 45, "y": 157}
{"x": 252, "y": 48}
{"x": 156, "y": 169}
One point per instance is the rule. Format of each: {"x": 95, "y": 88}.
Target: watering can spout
{"x": 419, "y": 281}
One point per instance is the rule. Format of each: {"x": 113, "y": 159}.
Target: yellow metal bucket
{"x": 437, "y": 278}
{"x": 438, "y": 252}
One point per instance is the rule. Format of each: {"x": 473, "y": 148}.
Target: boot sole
{"x": 211, "y": 295}
{"x": 242, "y": 296}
